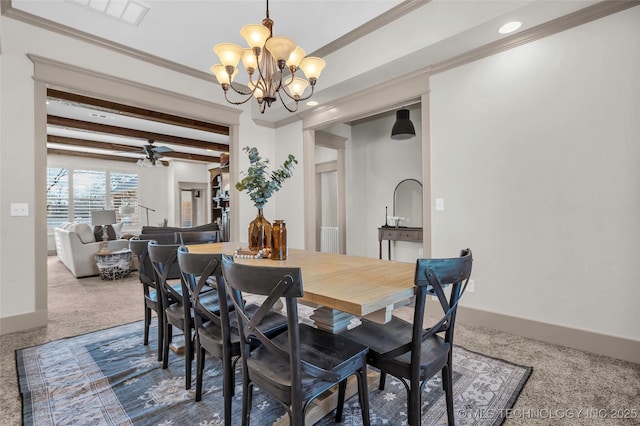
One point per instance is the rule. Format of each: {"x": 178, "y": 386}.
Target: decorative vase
{"x": 259, "y": 233}
{"x": 279, "y": 241}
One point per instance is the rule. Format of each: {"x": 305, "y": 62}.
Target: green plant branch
{"x": 258, "y": 182}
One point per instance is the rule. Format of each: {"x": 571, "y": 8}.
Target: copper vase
{"x": 279, "y": 241}
{"x": 259, "y": 233}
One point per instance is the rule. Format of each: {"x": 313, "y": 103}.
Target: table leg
{"x": 331, "y": 320}
{"x": 389, "y": 249}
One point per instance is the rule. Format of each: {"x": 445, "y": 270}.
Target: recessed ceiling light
{"x": 510, "y": 27}
{"x": 312, "y": 103}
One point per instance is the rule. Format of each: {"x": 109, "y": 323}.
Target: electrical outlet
{"x": 471, "y": 287}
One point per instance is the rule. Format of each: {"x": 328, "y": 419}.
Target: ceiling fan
{"x": 152, "y": 154}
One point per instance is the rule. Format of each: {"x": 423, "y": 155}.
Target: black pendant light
{"x": 403, "y": 127}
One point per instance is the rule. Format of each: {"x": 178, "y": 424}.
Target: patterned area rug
{"x": 109, "y": 378}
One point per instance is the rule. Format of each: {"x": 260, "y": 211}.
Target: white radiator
{"x": 329, "y": 239}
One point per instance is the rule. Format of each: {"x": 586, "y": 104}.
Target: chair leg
{"x": 247, "y": 398}
{"x": 161, "y": 327}
{"x": 168, "y": 331}
{"x": 147, "y": 324}
{"x": 200, "y": 354}
{"x": 363, "y": 395}
{"x": 342, "y": 387}
{"x": 447, "y": 380}
{"x": 383, "y": 377}
{"x": 188, "y": 358}
{"x": 413, "y": 405}
{"x": 227, "y": 387}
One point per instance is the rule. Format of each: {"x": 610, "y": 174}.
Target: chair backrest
{"x": 196, "y": 269}
{"x": 274, "y": 283}
{"x": 194, "y": 237}
{"x": 164, "y": 258}
{"x": 145, "y": 269}
{"x": 431, "y": 278}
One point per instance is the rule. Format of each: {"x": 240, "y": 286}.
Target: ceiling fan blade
{"x": 161, "y": 149}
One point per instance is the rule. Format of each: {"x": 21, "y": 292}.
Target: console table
{"x": 390, "y": 233}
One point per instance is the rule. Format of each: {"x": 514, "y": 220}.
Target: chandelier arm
{"x": 241, "y": 92}
{"x": 299, "y": 99}
{"x": 226, "y": 97}
{"x": 285, "y": 104}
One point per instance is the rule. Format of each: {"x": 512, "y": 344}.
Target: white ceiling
{"x": 378, "y": 40}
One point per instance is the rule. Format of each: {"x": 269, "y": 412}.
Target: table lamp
{"x": 104, "y": 218}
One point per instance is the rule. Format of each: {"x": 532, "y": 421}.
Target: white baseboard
{"x": 602, "y": 344}
{"x": 23, "y": 322}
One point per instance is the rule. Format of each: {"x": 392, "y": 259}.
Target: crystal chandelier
{"x": 276, "y": 60}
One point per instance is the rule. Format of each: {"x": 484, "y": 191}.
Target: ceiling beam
{"x": 109, "y": 146}
{"x": 141, "y": 134}
{"x": 55, "y": 151}
{"x": 143, "y": 113}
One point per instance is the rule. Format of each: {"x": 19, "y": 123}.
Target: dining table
{"x": 339, "y": 288}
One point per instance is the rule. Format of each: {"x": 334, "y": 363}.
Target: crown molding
{"x": 393, "y": 14}
{"x": 9, "y": 11}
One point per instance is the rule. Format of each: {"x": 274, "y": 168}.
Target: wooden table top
{"x": 353, "y": 284}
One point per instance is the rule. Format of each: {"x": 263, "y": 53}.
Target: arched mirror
{"x": 407, "y": 203}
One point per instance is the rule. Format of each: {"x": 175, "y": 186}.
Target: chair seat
{"x": 320, "y": 348}
{"x": 382, "y": 338}
{"x": 210, "y": 336}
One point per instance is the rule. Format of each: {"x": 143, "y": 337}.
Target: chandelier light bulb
{"x": 298, "y": 86}
{"x": 280, "y": 47}
{"x": 249, "y": 60}
{"x": 296, "y": 57}
{"x": 312, "y": 67}
{"x": 220, "y": 71}
{"x": 229, "y": 53}
{"x": 255, "y": 35}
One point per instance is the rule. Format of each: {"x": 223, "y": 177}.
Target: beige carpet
{"x": 565, "y": 383}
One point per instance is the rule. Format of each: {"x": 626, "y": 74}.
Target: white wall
{"x": 375, "y": 165}
{"x": 289, "y": 201}
{"x": 535, "y": 152}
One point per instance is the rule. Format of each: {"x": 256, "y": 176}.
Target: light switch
{"x": 19, "y": 209}
{"x": 439, "y": 204}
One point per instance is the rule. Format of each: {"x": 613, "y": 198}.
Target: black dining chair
{"x": 197, "y": 237}
{"x": 407, "y": 350}
{"x": 152, "y": 300}
{"x": 299, "y": 364}
{"x": 217, "y": 331}
{"x": 177, "y": 304}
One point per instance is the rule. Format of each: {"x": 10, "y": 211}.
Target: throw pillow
{"x": 117, "y": 228}
{"x": 97, "y": 232}
{"x": 84, "y": 232}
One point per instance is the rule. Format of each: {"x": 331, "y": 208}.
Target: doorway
{"x": 193, "y": 206}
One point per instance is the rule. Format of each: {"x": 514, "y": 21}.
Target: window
{"x": 57, "y": 196}
{"x": 73, "y": 194}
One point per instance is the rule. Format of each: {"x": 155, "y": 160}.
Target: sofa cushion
{"x": 84, "y": 232}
